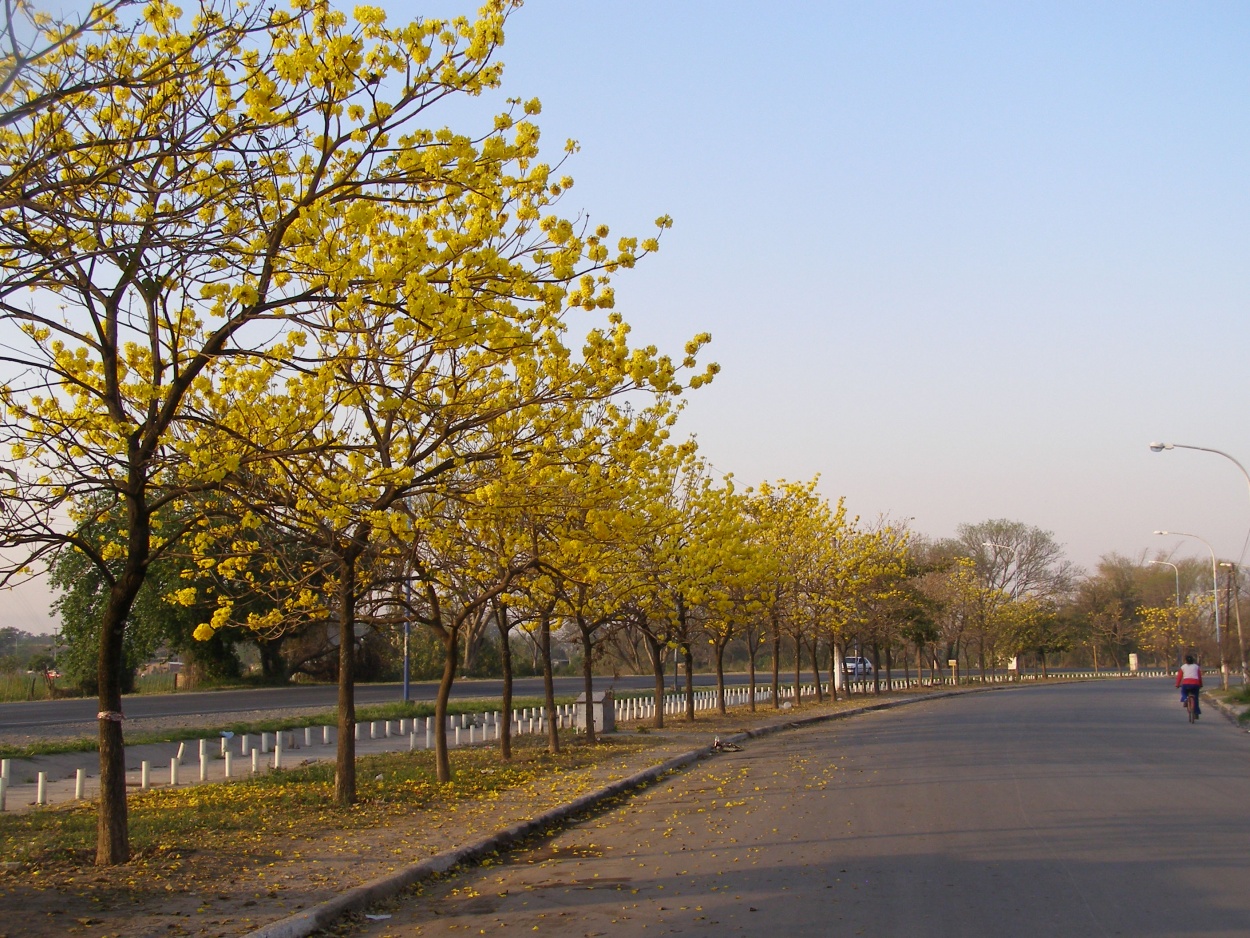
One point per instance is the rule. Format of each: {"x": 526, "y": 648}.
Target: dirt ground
{"x": 199, "y": 889}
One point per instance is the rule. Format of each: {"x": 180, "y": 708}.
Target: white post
{"x": 255, "y": 761}
{"x": 245, "y": 745}
{"x": 229, "y": 762}
{"x": 203, "y": 766}
{"x": 412, "y": 738}
{"x": 173, "y": 771}
{"x": 325, "y": 736}
{"x": 386, "y": 728}
{"x": 145, "y": 775}
{"x": 308, "y": 737}
{"x": 264, "y": 743}
{"x": 182, "y": 749}
{"x": 4, "y": 770}
{"x": 277, "y": 750}
{"x": 41, "y": 789}
{"x": 457, "y": 738}
{"x": 4, "y": 790}
{"x": 373, "y": 729}
{"x": 224, "y": 749}
{"x": 429, "y": 735}
{"x": 356, "y": 731}
{"x": 79, "y": 778}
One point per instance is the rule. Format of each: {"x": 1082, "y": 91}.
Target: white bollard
{"x": 80, "y": 777}
{"x": 325, "y": 736}
{"x": 4, "y": 791}
{"x": 429, "y": 735}
{"x": 277, "y": 750}
{"x": 255, "y": 761}
{"x": 203, "y": 766}
{"x": 173, "y": 771}
{"x": 4, "y": 770}
{"x": 472, "y": 729}
{"x": 41, "y": 789}
{"x": 412, "y": 739}
{"x": 145, "y": 775}
{"x": 245, "y": 744}
{"x": 229, "y": 763}
{"x": 457, "y": 738}
{"x": 386, "y": 729}
{"x": 403, "y": 726}
{"x": 373, "y": 729}
{"x": 182, "y": 750}
{"x": 356, "y": 731}
{"x": 265, "y": 744}
{"x": 308, "y": 737}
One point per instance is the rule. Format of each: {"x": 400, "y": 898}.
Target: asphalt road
{"x": 65, "y": 717}
{"x": 1082, "y": 809}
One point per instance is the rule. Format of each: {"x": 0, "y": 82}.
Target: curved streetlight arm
{"x": 1160, "y": 447}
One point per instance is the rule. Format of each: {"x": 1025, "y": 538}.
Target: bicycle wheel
{"x": 1190, "y": 703}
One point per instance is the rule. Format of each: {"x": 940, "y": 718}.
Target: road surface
{"x": 1087, "y": 809}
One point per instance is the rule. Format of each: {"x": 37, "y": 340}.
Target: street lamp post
{"x": 1233, "y": 589}
{"x": 1215, "y": 597}
{"x": 1175, "y": 570}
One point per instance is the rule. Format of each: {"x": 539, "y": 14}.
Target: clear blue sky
{"x": 964, "y": 260}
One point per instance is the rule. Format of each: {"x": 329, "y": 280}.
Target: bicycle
{"x": 1191, "y": 706}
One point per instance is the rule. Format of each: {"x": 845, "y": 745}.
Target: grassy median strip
{"x": 297, "y": 802}
{"x": 364, "y": 715}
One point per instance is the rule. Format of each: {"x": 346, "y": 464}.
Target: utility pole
{"x": 1234, "y": 593}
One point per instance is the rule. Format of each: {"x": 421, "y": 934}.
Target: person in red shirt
{"x": 1189, "y": 680}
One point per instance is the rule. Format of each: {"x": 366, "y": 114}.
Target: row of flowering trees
{"x": 263, "y": 315}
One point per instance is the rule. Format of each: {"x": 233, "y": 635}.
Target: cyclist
{"x": 1189, "y": 680}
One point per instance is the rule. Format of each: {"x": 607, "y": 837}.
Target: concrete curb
{"x": 322, "y": 914}
{"x": 1230, "y": 712}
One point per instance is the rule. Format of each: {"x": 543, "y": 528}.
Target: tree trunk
{"x": 441, "y": 760}
{"x": 657, "y": 668}
{"x": 798, "y": 670}
{"x": 505, "y": 653}
{"x": 588, "y": 686}
{"x": 549, "y": 686}
{"x": 345, "y": 751}
{"x": 751, "y": 674}
{"x": 814, "y": 648}
{"x": 720, "y": 677}
{"x": 112, "y": 823}
{"x": 688, "y": 659}
{"x": 776, "y": 669}
{"x": 838, "y": 668}
{"x": 889, "y": 667}
{"x": 876, "y": 667}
